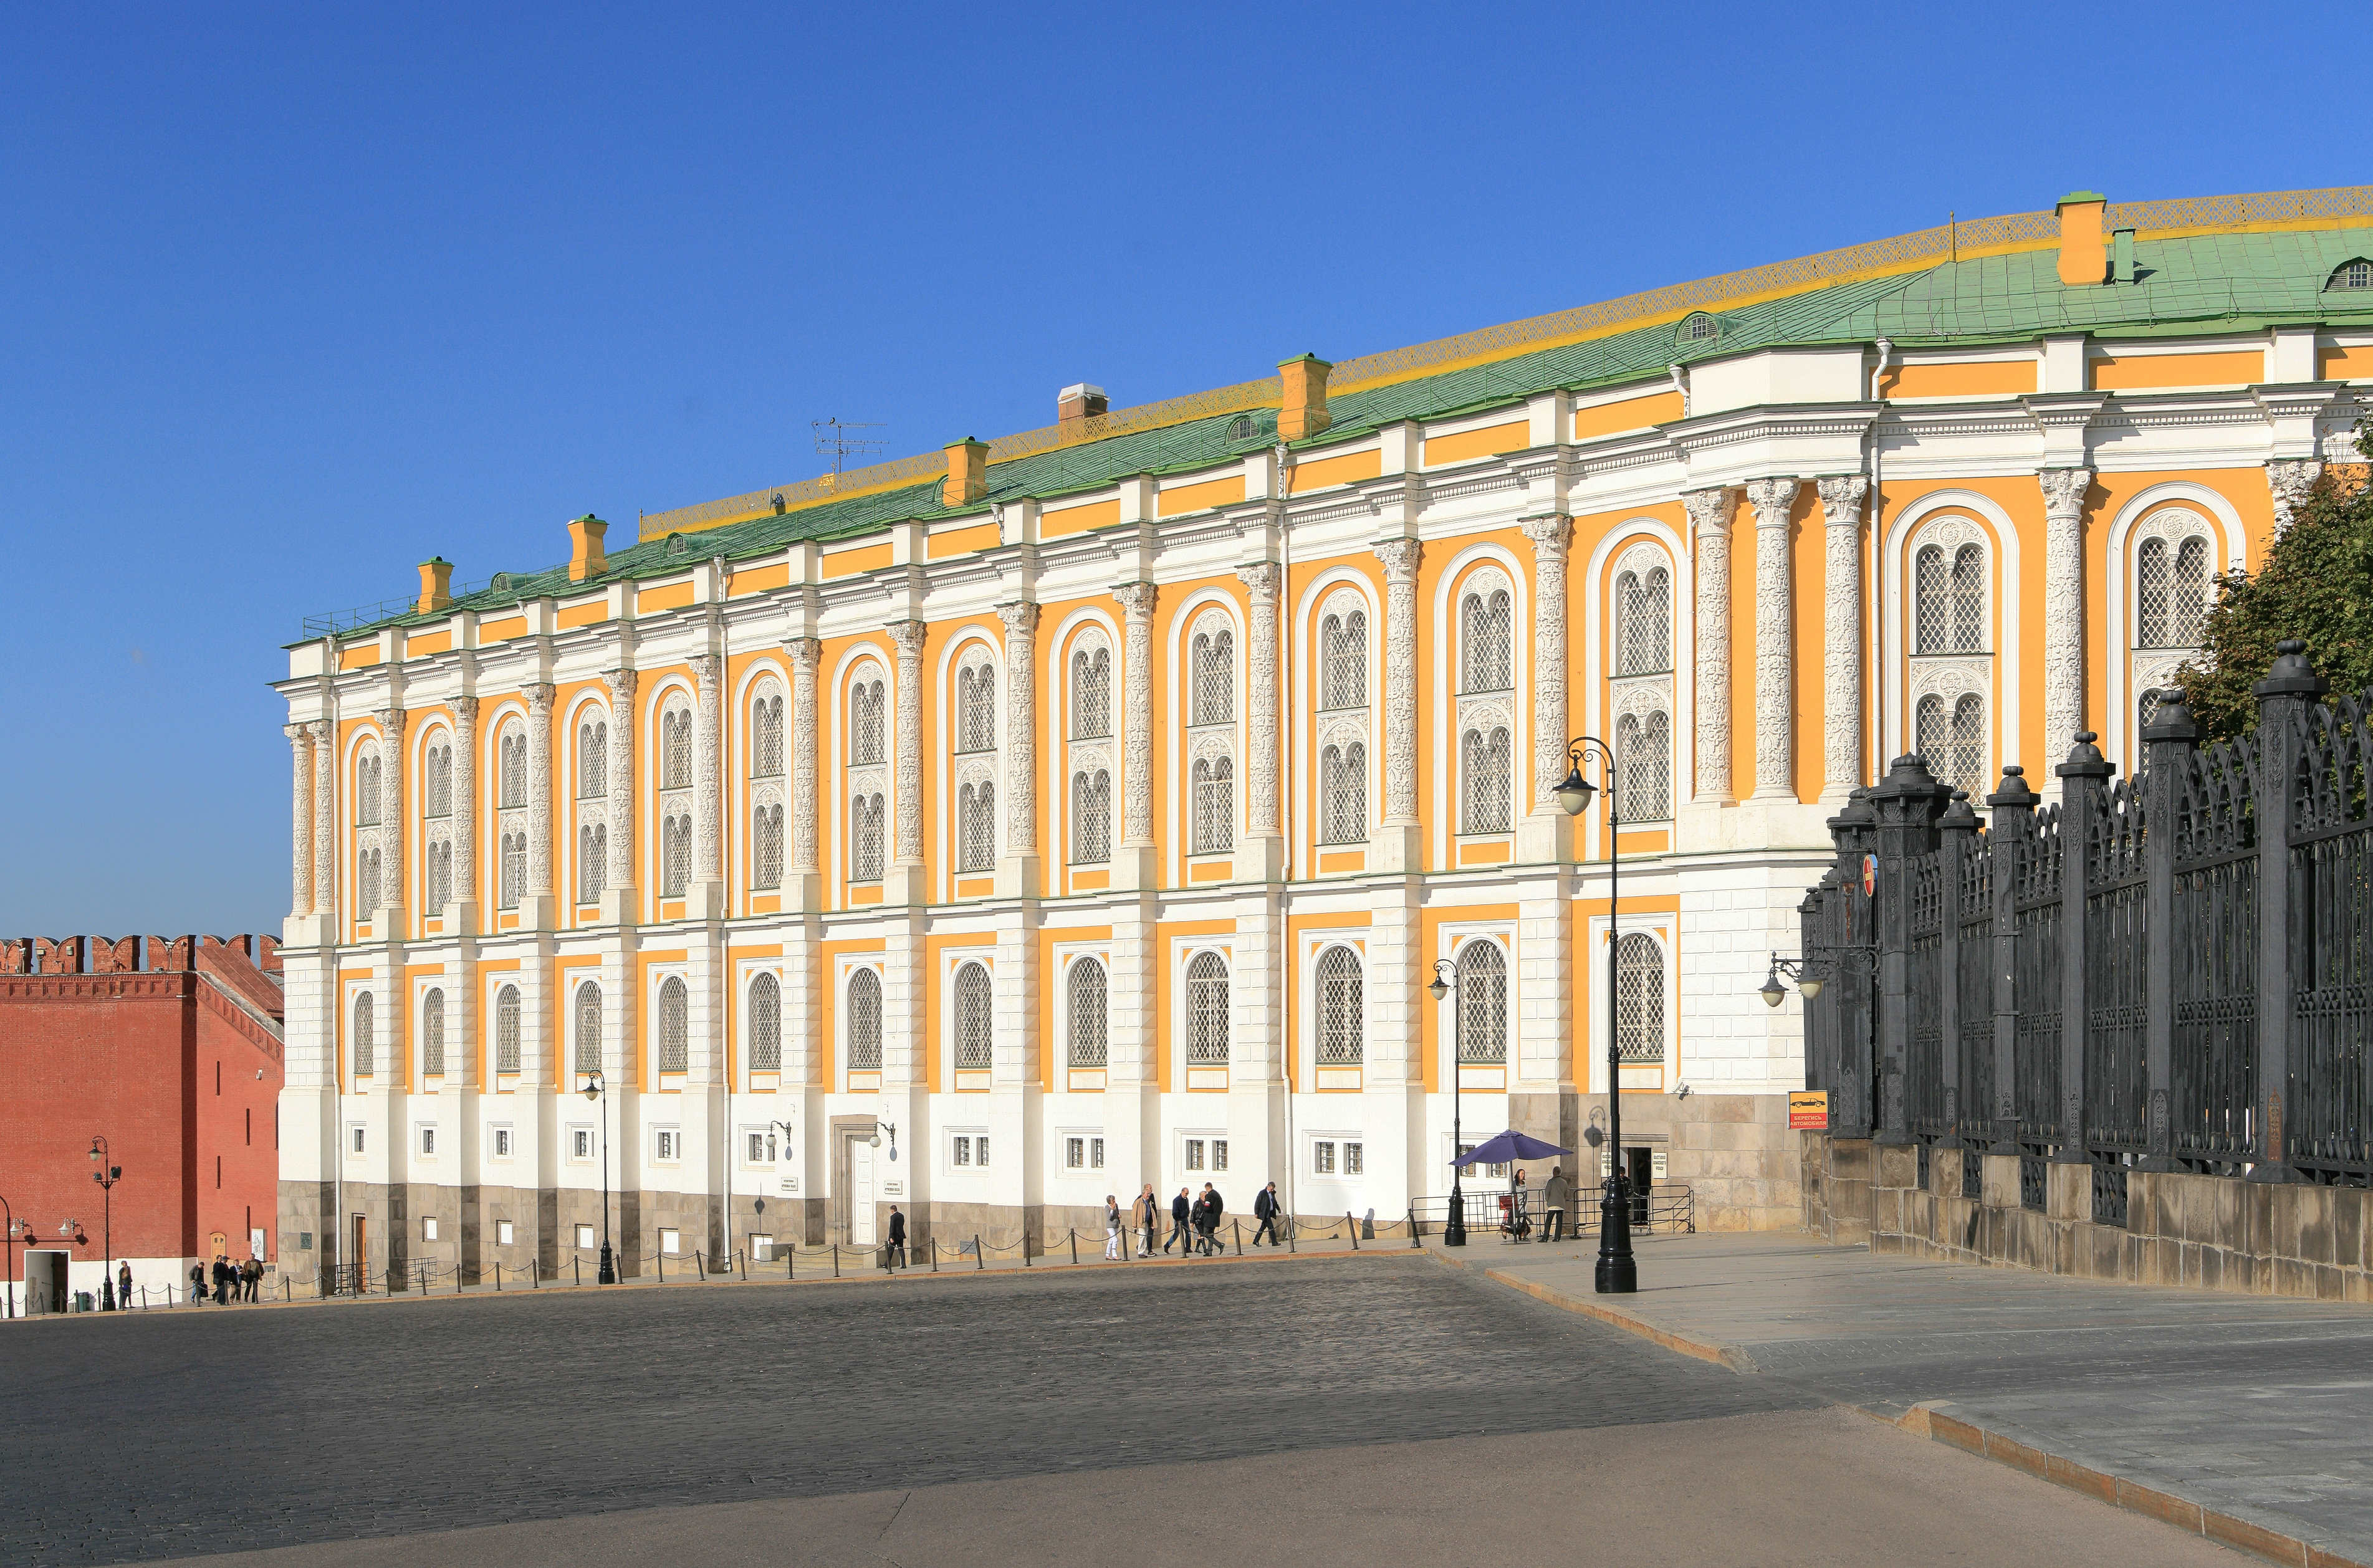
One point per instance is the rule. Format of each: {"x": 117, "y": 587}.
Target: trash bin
{"x": 82, "y": 1301}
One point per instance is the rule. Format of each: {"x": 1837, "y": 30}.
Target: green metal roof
{"x": 2205, "y": 283}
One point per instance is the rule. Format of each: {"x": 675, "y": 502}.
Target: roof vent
{"x": 1077, "y": 403}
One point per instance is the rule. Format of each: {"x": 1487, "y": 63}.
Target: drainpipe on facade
{"x": 1873, "y": 766}
{"x": 717, "y": 581}
{"x": 1284, "y": 486}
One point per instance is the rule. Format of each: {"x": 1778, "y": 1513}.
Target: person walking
{"x": 1112, "y": 1228}
{"x": 1267, "y": 1210}
{"x": 254, "y": 1278}
{"x": 123, "y": 1287}
{"x": 1149, "y": 1214}
{"x": 222, "y": 1282}
{"x": 895, "y": 1255}
{"x": 197, "y": 1282}
{"x": 1557, "y": 1193}
{"x": 1180, "y": 1211}
{"x": 1206, "y": 1219}
{"x": 1520, "y": 1221}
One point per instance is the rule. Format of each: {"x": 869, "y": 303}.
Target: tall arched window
{"x": 432, "y": 1033}
{"x": 1343, "y": 660}
{"x": 976, "y": 828}
{"x": 975, "y": 1043}
{"x": 766, "y": 846}
{"x": 366, "y": 781}
{"x": 1643, "y": 621}
{"x": 588, "y": 1036}
{"x": 439, "y": 854}
{"x": 592, "y": 759}
{"x": 366, "y": 1045}
{"x": 1951, "y": 598}
{"x": 766, "y": 731}
{"x": 1211, "y": 660}
{"x": 507, "y": 1030}
{"x": 513, "y": 753}
{"x": 976, "y": 707}
{"x": 366, "y": 882}
{"x": 1952, "y": 736}
{"x": 1482, "y": 1004}
{"x": 675, "y": 749}
{"x": 514, "y": 869}
{"x": 1091, "y": 693}
{"x": 766, "y": 1023}
{"x": 675, "y": 1045}
{"x": 868, "y": 773}
{"x": 1639, "y": 1000}
{"x": 864, "y": 1021}
{"x": 1486, "y": 628}
{"x": 437, "y": 758}
{"x": 1084, "y": 1013}
{"x": 1490, "y": 771}
{"x": 593, "y": 863}
{"x": 1342, "y": 1008}
{"x": 1091, "y": 818}
{"x": 1343, "y": 794}
{"x": 869, "y": 821}
{"x": 1643, "y": 753}
{"x": 2171, "y": 592}
{"x": 867, "y": 705}
{"x": 1207, "y": 1010}
{"x": 675, "y": 853}
{"x": 1213, "y": 782}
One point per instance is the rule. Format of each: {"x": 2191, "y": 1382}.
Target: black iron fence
{"x": 1663, "y": 1207}
{"x": 2172, "y": 971}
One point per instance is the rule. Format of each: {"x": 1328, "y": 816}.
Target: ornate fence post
{"x": 2007, "y": 840}
{"x": 1954, "y": 829}
{"x": 2167, "y": 746}
{"x": 1851, "y": 1089}
{"x": 1908, "y": 802}
{"x": 2282, "y": 697}
{"x": 2080, "y": 826}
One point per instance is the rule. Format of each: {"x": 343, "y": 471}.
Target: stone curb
{"x": 1731, "y": 1356}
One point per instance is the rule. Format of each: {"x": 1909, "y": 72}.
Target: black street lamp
{"x": 8, "y": 1286}
{"x": 597, "y": 1090}
{"x": 1454, "y": 1230}
{"x": 1618, "y": 1272}
{"x": 107, "y": 1176}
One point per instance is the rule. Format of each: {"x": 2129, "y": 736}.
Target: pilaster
{"x": 1842, "y": 637}
{"x": 1775, "y": 657}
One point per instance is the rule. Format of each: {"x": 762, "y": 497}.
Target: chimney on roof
{"x": 585, "y": 556}
{"x": 1305, "y": 411}
{"x": 967, "y": 473}
{"x": 2083, "y": 259}
{"x": 1077, "y": 403}
{"x": 436, "y": 583}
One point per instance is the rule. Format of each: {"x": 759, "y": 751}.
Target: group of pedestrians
{"x": 233, "y": 1283}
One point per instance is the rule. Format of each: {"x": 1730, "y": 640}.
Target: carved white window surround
{"x": 1092, "y": 766}
{"x": 1950, "y": 705}
{"x": 1643, "y": 611}
{"x": 436, "y": 838}
{"x": 510, "y": 813}
{"x": 978, "y": 757}
{"x": 589, "y": 791}
{"x": 369, "y": 865}
{"x": 1213, "y": 685}
{"x": 673, "y": 767}
{"x": 2170, "y": 555}
{"x": 1642, "y": 711}
{"x": 865, "y": 797}
{"x": 1342, "y": 738}
{"x": 1483, "y": 742}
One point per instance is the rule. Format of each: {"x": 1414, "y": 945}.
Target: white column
{"x": 300, "y": 821}
{"x": 538, "y": 913}
{"x": 1709, "y": 512}
{"x": 1550, "y": 536}
{"x": 1775, "y": 659}
{"x": 1020, "y": 862}
{"x": 2063, "y": 609}
{"x": 1137, "y": 865}
{"x": 1399, "y": 840}
{"x": 326, "y": 822}
{"x": 395, "y": 878}
{"x": 1257, "y": 1044}
{"x": 2291, "y": 480}
{"x": 906, "y": 878}
{"x": 708, "y": 734}
{"x": 1261, "y": 856}
{"x": 621, "y": 905}
{"x": 806, "y": 825}
{"x": 1841, "y": 638}
{"x": 465, "y": 813}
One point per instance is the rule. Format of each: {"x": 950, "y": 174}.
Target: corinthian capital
{"x": 1709, "y": 510}
{"x": 1020, "y": 617}
{"x": 1771, "y": 498}
{"x": 2063, "y": 490}
{"x": 908, "y": 637}
{"x": 622, "y": 682}
{"x": 1841, "y": 497}
{"x": 539, "y": 700}
{"x": 806, "y": 653}
{"x": 1549, "y": 535}
{"x": 1261, "y": 578}
{"x": 1136, "y": 598}
{"x": 1400, "y": 558}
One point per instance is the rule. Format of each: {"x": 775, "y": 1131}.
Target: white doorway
{"x": 45, "y": 1281}
{"x": 860, "y": 1192}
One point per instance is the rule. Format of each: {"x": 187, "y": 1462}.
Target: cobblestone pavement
{"x": 203, "y": 1431}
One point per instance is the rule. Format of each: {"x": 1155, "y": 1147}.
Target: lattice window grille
{"x": 514, "y": 764}
{"x": 1084, "y": 1020}
{"x": 432, "y": 1033}
{"x": 506, "y": 1029}
{"x": 1488, "y": 635}
{"x": 976, "y": 1045}
{"x": 1207, "y": 1010}
{"x": 976, "y": 828}
{"x": 1091, "y": 693}
{"x": 1490, "y": 767}
{"x": 1644, "y": 755}
{"x": 867, "y": 822}
{"x": 675, "y": 1043}
{"x": 1092, "y": 817}
{"x": 675, "y": 854}
{"x": 1968, "y": 600}
{"x": 592, "y": 760}
{"x": 1643, "y": 610}
{"x": 366, "y": 778}
{"x": 1343, "y": 1013}
{"x": 1343, "y": 794}
{"x": 977, "y": 707}
{"x": 365, "y": 1042}
{"x": 1214, "y": 787}
{"x": 439, "y": 794}
{"x": 1212, "y": 660}
{"x": 766, "y": 1023}
{"x": 1343, "y": 640}
{"x": 766, "y": 846}
{"x": 512, "y": 883}
{"x": 864, "y": 1021}
{"x": 366, "y": 881}
{"x": 440, "y": 874}
{"x": 1482, "y": 1004}
{"x": 1639, "y": 1000}
{"x": 587, "y": 1034}
{"x": 867, "y": 722}
{"x": 592, "y": 862}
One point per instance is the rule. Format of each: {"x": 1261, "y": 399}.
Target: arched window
{"x": 676, "y": 739}
{"x": 2171, "y": 592}
{"x": 864, "y": 1021}
{"x": 1952, "y": 735}
{"x": 1091, "y": 818}
{"x": 766, "y": 1023}
{"x": 588, "y": 1057}
{"x": 976, "y": 828}
{"x": 675, "y": 854}
{"x": 867, "y": 703}
{"x": 1643, "y": 753}
{"x": 514, "y": 869}
{"x": 1486, "y": 638}
{"x": 1490, "y": 768}
{"x": 766, "y": 846}
{"x": 977, "y": 707}
{"x": 2354, "y": 274}
{"x": 506, "y": 1029}
{"x": 1091, "y": 693}
{"x": 1214, "y": 787}
{"x": 766, "y": 732}
{"x": 593, "y": 863}
{"x": 1085, "y": 1013}
{"x": 1211, "y": 660}
{"x": 1639, "y": 1000}
{"x": 366, "y": 881}
{"x": 513, "y": 750}
{"x": 867, "y": 822}
{"x": 1343, "y": 1013}
{"x": 365, "y": 1046}
{"x": 367, "y": 785}
{"x": 675, "y": 1048}
{"x": 1343, "y": 794}
{"x": 438, "y": 759}
{"x": 432, "y": 1033}
{"x": 1643, "y": 622}
{"x": 1343, "y": 660}
{"x": 1207, "y": 1010}
{"x": 592, "y": 759}
{"x": 1950, "y": 613}
{"x": 975, "y": 1043}
{"x": 1482, "y": 1004}
{"x": 440, "y": 874}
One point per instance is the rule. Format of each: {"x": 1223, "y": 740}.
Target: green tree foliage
{"x": 2316, "y": 583}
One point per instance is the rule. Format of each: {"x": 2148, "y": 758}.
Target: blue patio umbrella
{"x": 1502, "y": 1147}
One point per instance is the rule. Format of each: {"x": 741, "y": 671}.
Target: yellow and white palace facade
{"x": 1093, "y": 808}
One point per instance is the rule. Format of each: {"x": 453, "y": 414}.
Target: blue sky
{"x": 290, "y": 299}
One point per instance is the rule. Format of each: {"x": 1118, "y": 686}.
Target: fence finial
{"x": 2291, "y": 673}
{"x": 2013, "y": 791}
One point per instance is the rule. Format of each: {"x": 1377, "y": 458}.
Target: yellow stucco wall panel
{"x": 1201, "y": 496}
{"x": 1467, "y": 445}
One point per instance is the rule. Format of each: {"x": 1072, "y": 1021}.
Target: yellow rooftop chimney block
{"x": 1304, "y": 413}
{"x": 2083, "y": 259}
{"x": 967, "y": 473}
{"x": 585, "y": 555}
{"x": 436, "y": 583}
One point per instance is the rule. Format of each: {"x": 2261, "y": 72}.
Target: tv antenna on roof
{"x": 831, "y": 438}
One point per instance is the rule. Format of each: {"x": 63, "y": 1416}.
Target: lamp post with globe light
{"x": 1454, "y": 1230}
{"x": 1618, "y": 1272}
{"x": 597, "y": 1090}
{"x": 107, "y": 1176}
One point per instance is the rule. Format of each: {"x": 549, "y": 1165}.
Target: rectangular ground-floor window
{"x": 504, "y": 1234}
{"x": 671, "y": 1241}
{"x": 584, "y": 1235}
{"x": 429, "y": 1227}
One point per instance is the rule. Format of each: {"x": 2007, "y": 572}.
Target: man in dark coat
{"x": 1178, "y": 1216}
{"x": 1267, "y": 1210}
{"x": 896, "y": 1254}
